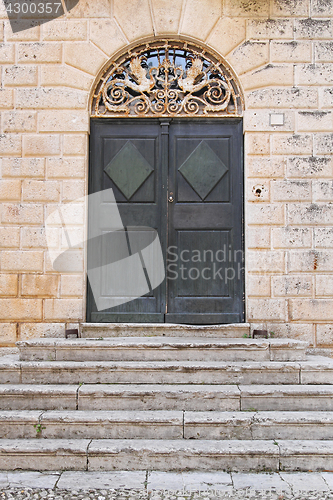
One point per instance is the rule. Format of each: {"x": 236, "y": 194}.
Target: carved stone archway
{"x": 167, "y": 77}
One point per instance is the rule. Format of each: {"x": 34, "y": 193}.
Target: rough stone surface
{"x": 143, "y": 485}
{"x": 100, "y": 330}
{"x": 111, "y": 454}
{"x": 294, "y": 398}
{"x": 111, "y": 425}
{"x": 160, "y": 372}
{"x": 163, "y": 349}
{"x": 158, "y": 397}
{"x": 30, "y": 397}
{"x": 43, "y": 454}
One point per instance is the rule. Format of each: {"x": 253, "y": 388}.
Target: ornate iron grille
{"x": 167, "y": 78}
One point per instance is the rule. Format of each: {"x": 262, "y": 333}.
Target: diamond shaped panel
{"x": 203, "y": 169}
{"x": 128, "y": 170}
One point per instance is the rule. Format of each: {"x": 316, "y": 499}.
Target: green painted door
{"x": 184, "y": 179}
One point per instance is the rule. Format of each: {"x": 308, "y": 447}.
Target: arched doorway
{"x": 167, "y": 143}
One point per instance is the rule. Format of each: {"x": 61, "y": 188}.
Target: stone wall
{"x": 282, "y": 52}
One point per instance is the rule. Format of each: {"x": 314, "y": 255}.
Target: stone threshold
{"x": 96, "y": 330}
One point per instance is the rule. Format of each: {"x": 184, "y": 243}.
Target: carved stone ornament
{"x": 167, "y": 78}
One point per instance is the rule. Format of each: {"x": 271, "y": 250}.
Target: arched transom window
{"x": 167, "y": 78}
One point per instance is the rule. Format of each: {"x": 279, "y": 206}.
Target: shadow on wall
{"x": 25, "y": 14}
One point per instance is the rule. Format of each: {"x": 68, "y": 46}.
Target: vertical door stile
{"x": 164, "y": 162}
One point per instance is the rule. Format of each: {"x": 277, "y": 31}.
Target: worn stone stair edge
{"x": 162, "y": 455}
{"x": 315, "y": 370}
{"x": 159, "y": 372}
{"x": 316, "y": 416}
{"x": 161, "y": 424}
{"x": 162, "y": 342}
{"x": 152, "y": 329}
{"x": 162, "y": 348}
{"x": 235, "y": 389}
{"x": 191, "y": 397}
{"x": 185, "y": 367}
{"x": 169, "y": 416}
{"x": 7, "y": 364}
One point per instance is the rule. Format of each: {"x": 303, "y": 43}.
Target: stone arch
{"x": 167, "y": 76}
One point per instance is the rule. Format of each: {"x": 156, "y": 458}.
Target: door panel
{"x": 203, "y": 172}
{"x": 199, "y": 277}
{"x": 126, "y": 156}
{"x": 136, "y": 183}
{"x": 197, "y": 164}
{"x": 205, "y": 284}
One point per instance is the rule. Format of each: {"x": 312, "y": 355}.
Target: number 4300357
{"x": 33, "y": 8}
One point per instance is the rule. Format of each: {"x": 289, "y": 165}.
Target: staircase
{"x": 197, "y": 398}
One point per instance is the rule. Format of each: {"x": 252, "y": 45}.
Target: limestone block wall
{"x": 282, "y": 53}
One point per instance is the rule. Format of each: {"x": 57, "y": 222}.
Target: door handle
{"x": 171, "y": 198}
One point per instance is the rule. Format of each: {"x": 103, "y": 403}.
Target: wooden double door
{"x": 183, "y": 178}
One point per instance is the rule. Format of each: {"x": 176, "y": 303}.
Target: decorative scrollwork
{"x": 167, "y": 78}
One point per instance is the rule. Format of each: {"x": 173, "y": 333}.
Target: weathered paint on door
{"x": 183, "y": 178}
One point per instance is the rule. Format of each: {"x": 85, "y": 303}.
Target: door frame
{"x": 164, "y": 122}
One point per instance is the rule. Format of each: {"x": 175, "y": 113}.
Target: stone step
{"x": 38, "y": 397}
{"x": 286, "y": 397}
{"x": 44, "y": 454}
{"x": 210, "y": 425}
{"x": 91, "y": 424}
{"x": 162, "y": 349}
{"x": 317, "y": 370}
{"x": 159, "y": 372}
{"x": 167, "y": 397}
{"x": 98, "y": 330}
{"x": 312, "y": 371}
{"x": 265, "y": 425}
{"x": 164, "y": 455}
{"x": 211, "y": 455}
{"x": 119, "y": 397}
